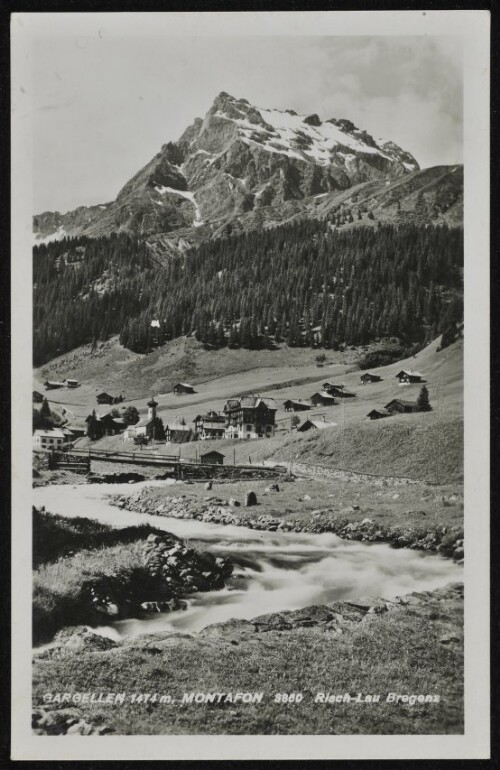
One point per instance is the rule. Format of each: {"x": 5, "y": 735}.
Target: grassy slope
{"x": 422, "y": 446}
{"x": 112, "y": 367}
{"x": 395, "y": 652}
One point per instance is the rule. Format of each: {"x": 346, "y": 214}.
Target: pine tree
{"x": 423, "y": 404}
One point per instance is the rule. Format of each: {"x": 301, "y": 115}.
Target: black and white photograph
{"x": 250, "y": 296}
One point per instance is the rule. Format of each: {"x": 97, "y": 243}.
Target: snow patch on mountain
{"x": 58, "y": 235}
{"x": 198, "y": 221}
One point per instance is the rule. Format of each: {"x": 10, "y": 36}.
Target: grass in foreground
{"x": 397, "y": 652}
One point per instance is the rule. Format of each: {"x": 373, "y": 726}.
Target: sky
{"x": 102, "y": 105}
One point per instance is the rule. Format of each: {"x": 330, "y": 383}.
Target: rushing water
{"x": 274, "y": 571}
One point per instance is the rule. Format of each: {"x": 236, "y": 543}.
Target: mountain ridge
{"x": 244, "y": 167}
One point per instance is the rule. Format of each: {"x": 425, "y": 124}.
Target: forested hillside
{"x": 303, "y": 283}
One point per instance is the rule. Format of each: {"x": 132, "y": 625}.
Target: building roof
{"x": 400, "y": 401}
{"x": 251, "y": 402}
{"x": 371, "y": 374}
{"x": 54, "y": 433}
{"x": 409, "y": 372}
{"x": 101, "y": 395}
{"x": 324, "y": 394}
{"x": 143, "y": 423}
{"x": 382, "y": 411}
{"x": 183, "y": 385}
{"x": 212, "y": 452}
{"x": 210, "y": 417}
{"x": 298, "y": 402}
{"x": 54, "y": 382}
{"x": 320, "y": 424}
{"x": 68, "y": 379}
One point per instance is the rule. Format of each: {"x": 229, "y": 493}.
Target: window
{"x": 249, "y": 427}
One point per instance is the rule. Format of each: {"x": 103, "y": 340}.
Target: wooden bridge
{"x": 80, "y": 461}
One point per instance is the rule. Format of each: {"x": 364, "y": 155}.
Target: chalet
{"x": 409, "y": 377}
{"x": 37, "y": 397}
{"x": 178, "y": 434}
{"x": 377, "y": 414}
{"x": 112, "y": 426}
{"x": 337, "y": 390}
{"x": 315, "y": 424}
{"x": 72, "y": 383}
{"x": 367, "y": 378}
{"x": 400, "y": 406}
{"x": 250, "y": 417}
{"x": 46, "y": 440}
{"x": 210, "y": 425}
{"x": 212, "y": 458}
{"x": 322, "y": 399}
{"x": 105, "y": 398}
{"x": 295, "y": 405}
{"x": 183, "y": 388}
{"x": 53, "y": 385}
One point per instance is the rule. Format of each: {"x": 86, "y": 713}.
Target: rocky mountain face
{"x": 243, "y": 167}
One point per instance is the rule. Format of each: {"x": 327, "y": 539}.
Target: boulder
{"x": 82, "y": 639}
{"x": 250, "y": 498}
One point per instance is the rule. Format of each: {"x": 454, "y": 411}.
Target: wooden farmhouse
{"x": 250, "y": 417}
{"x": 400, "y": 406}
{"x": 72, "y": 383}
{"x": 178, "y": 434}
{"x": 106, "y": 398}
{"x": 323, "y": 399}
{"x": 377, "y": 414}
{"x": 337, "y": 390}
{"x": 315, "y": 424}
{"x": 53, "y": 385}
{"x": 367, "y": 378}
{"x": 295, "y": 405}
{"x": 183, "y": 388}
{"x": 210, "y": 425}
{"x": 409, "y": 377}
{"x": 112, "y": 426}
{"x": 212, "y": 458}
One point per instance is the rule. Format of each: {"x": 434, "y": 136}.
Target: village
{"x": 144, "y": 424}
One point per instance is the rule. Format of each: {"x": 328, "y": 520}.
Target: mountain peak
{"x": 238, "y": 161}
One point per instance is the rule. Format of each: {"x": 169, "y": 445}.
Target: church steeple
{"x": 152, "y": 404}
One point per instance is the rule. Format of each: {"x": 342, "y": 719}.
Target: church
{"x": 145, "y": 427}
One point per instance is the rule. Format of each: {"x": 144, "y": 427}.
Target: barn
{"x": 367, "y": 378}
{"x": 212, "y": 458}
{"x": 400, "y": 406}
{"x": 296, "y": 405}
{"x": 377, "y": 414}
{"x": 183, "y": 388}
{"x": 409, "y": 377}
{"x": 315, "y": 424}
{"x": 322, "y": 399}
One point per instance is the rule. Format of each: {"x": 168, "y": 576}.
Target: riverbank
{"x": 88, "y": 573}
{"x": 411, "y": 647}
{"x": 420, "y": 517}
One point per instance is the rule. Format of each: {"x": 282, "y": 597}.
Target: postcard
{"x": 250, "y": 292}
